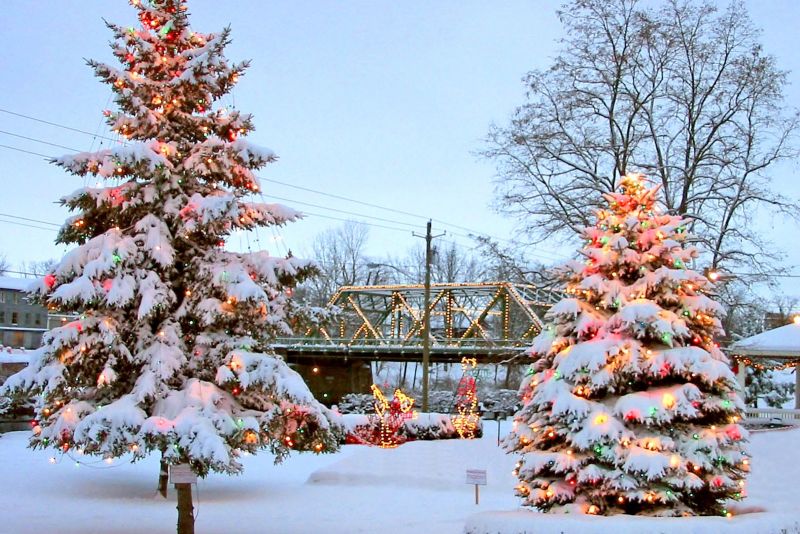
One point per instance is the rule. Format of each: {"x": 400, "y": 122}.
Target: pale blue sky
{"x": 380, "y": 101}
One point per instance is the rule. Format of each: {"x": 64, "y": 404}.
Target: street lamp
{"x": 715, "y": 275}
{"x": 376, "y": 265}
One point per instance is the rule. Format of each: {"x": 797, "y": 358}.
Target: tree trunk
{"x": 185, "y": 509}
{"x": 163, "y": 477}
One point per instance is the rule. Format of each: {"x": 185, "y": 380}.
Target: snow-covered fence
{"x": 765, "y": 416}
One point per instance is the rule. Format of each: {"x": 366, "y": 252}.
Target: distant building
{"x": 22, "y": 323}
{"x": 774, "y": 320}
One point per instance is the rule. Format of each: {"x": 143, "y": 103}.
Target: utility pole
{"x": 426, "y": 314}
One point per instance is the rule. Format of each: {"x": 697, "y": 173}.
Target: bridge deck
{"x": 299, "y": 349}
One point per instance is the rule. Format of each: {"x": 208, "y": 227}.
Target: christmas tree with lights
{"x": 630, "y": 406}
{"x": 170, "y": 348}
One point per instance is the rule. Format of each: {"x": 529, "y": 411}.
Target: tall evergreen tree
{"x": 171, "y": 350}
{"x": 630, "y": 406}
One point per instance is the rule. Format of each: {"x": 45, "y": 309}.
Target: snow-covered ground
{"x": 418, "y": 487}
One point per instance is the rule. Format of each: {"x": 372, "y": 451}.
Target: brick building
{"x": 22, "y": 323}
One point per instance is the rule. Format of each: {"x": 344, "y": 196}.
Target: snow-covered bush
{"x": 773, "y": 388}
{"x": 441, "y": 402}
{"x": 500, "y": 400}
{"x": 357, "y": 403}
{"x": 362, "y": 428}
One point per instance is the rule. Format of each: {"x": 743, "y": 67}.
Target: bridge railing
{"x": 772, "y": 416}
{"x": 371, "y": 342}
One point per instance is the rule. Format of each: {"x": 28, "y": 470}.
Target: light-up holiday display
{"x": 391, "y": 414}
{"x": 630, "y": 406}
{"x": 466, "y": 419}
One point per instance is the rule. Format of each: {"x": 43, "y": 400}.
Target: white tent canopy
{"x": 782, "y": 343}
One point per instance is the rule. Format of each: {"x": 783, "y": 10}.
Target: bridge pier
{"x": 329, "y": 379}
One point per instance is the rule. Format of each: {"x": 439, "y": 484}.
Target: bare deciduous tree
{"x": 38, "y": 268}
{"x": 340, "y": 254}
{"x": 680, "y": 91}
{"x": 450, "y": 264}
{"x": 4, "y": 264}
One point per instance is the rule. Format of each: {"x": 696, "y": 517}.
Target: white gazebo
{"x": 778, "y": 348}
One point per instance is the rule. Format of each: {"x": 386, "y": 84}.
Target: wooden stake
{"x": 185, "y": 509}
{"x": 477, "y": 494}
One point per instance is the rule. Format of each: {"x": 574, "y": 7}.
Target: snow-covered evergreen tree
{"x": 630, "y": 406}
{"x": 773, "y": 387}
{"x": 171, "y": 351}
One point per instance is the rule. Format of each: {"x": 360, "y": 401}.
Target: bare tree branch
{"x": 680, "y": 90}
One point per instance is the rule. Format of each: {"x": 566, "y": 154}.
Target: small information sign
{"x": 182, "y": 474}
{"x": 476, "y": 476}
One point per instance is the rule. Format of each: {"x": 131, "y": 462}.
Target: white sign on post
{"x": 182, "y": 474}
{"x": 476, "y": 476}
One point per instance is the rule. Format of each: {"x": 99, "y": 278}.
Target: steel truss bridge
{"x": 489, "y": 321}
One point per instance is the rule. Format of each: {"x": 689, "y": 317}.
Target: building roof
{"x": 782, "y": 341}
{"x": 17, "y": 284}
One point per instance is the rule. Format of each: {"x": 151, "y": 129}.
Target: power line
{"x": 377, "y": 206}
{"x": 308, "y": 213}
{"x": 28, "y": 225}
{"x": 767, "y": 275}
{"x": 26, "y": 151}
{"x": 544, "y": 256}
{"x": 340, "y": 197}
{"x": 58, "y": 226}
{"x": 57, "y": 125}
{"x": 27, "y": 219}
{"x": 404, "y": 230}
{"x": 338, "y": 210}
{"x": 39, "y": 141}
{"x": 331, "y": 195}
{"x": 22, "y": 273}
